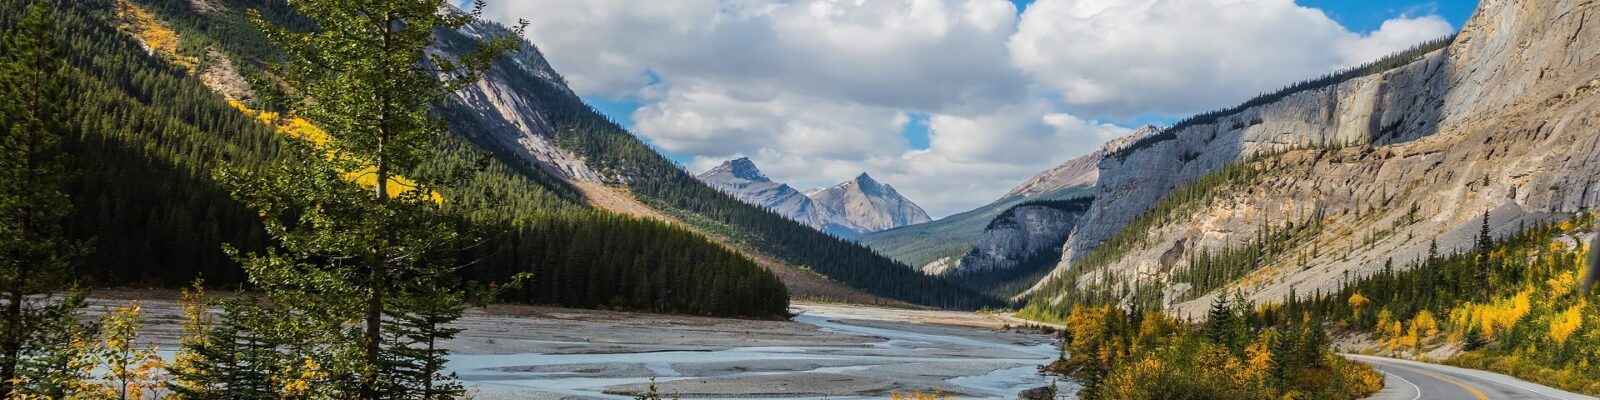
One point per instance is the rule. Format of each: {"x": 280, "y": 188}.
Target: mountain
{"x": 937, "y": 247}
{"x": 567, "y": 194}
{"x": 1343, "y": 176}
{"x": 158, "y": 120}
{"x": 743, "y": 180}
{"x": 1081, "y": 171}
{"x": 1017, "y": 248}
{"x": 523, "y": 112}
{"x": 861, "y": 205}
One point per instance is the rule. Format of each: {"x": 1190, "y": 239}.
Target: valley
{"x": 305, "y": 199}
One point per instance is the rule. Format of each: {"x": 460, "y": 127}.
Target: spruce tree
{"x": 1285, "y": 359}
{"x": 1481, "y": 249}
{"x": 221, "y": 359}
{"x": 1219, "y": 320}
{"x": 370, "y": 252}
{"x": 416, "y": 358}
{"x": 36, "y": 256}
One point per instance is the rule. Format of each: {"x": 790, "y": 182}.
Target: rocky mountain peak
{"x": 740, "y": 168}
{"x": 1081, "y": 171}
{"x": 872, "y": 186}
{"x": 853, "y": 207}
{"x": 1115, "y": 145}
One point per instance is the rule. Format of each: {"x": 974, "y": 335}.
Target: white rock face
{"x": 501, "y": 112}
{"x": 861, "y": 205}
{"x": 1503, "y": 119}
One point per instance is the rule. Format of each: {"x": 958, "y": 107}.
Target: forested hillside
{"x": 147, "y": 136}
{"x": 1511, "y": 304}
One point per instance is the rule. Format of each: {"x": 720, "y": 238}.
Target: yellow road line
{"x": 1474, "y": 391}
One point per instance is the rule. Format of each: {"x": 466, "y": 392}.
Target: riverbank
{"x": 828, "y": 350}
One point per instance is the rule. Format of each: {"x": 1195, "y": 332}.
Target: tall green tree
{"x": 1481, "y": 249}
{"x": 35, "y": 255}
{"x": 369, "y": 252}
{"x": 1219, "y": 319}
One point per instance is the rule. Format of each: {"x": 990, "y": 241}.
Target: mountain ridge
{"x": 1412, "y": 149}
{"x": 851, "y": 208}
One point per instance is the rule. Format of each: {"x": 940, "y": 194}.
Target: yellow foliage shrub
{"x": 937, "y": 394}
{"x": 155, "y": 36}
{"x": 1425, "y": 324}
{"x": 1497, "y": 317}
{"x": 1357, "y": 301}
{"x": 1565, "y": 323}
{"x": 300, "y": 128}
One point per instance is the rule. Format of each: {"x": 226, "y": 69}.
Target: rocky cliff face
{"x": 863, "y": 205}
{"x": 500, "y": 109}
{"x": 939, "y": 246}
{"x": 1028, "y": 230}
{"x": 1501, "y": 120}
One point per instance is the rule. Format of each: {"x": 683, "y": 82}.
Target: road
{"x": 1412, "y": 380}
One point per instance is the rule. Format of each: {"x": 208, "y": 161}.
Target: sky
{"x": 952, "y": 102}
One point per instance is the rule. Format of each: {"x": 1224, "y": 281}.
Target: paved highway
{"x": 1412, "y": 380}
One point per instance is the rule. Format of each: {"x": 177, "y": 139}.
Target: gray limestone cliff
{"x": 1502, "y": 119}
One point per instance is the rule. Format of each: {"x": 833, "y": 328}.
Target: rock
{"x": 500, "y": 111}
{"x": 1038, "y": 393}
{"x": 1498, "y": 120}
{"x": 1024, "y": 231}
{"x": 1084, "y": 170}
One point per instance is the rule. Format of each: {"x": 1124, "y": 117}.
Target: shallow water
{"x": 893, "y": 360}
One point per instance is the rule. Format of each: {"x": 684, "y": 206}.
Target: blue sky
{"x": 1362, "y": 16}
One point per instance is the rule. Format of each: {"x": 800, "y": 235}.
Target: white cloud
{"x": 708, "y": 121}
{"x": 1395, "y": 34}
{"x": 1129, "y": 57}
{"x": 927, "y": 54}
{"x": 816, "y": 91}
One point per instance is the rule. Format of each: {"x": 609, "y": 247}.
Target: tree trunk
{"x": 378, "y": 283}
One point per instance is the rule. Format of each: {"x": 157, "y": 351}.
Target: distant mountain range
{"x": 852, "y": 208}
{"x": 1006, "y": 246}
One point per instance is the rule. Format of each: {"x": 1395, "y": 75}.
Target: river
{"x": 852, "y": 359}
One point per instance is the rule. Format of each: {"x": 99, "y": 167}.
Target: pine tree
{"x": 36, "y": 256}
{"x": 354, "y": 253}
{"x": 1474, "y": 340}
{"x": 1285, "y": 348}
{"x": 219, "y": 359}
{"x": 1433, "y": 250}
{"x": 415, "y": 356}
{"x": 1481, "y": 249}
{"x": 1220, "y": 320}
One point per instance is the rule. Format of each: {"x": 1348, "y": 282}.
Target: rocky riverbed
{"x": 827, "y": 351}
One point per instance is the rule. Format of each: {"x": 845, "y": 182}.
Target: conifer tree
{"x": 1481, "y": 249}
{"x": 35, "y": 254}
{"x": 1219, "y": 320}
{"x": 367, "y": 252}
{"x": 416, "y": 359}
{"x": 219, "y": 359}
